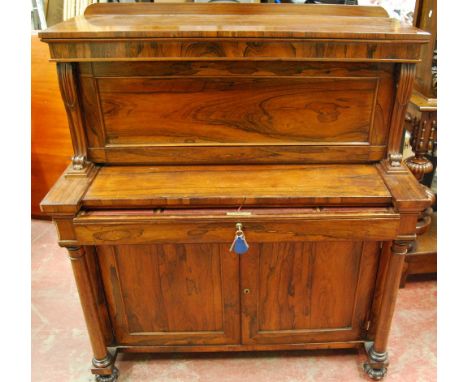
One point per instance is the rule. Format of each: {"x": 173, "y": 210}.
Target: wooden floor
{"x": 61, "y": 351}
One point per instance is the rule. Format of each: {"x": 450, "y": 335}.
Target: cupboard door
{"x": 301, "y": 292}
{"x": 172, "y": 294}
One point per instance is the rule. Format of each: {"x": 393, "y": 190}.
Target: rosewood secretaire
{"x": 237, "y": 182}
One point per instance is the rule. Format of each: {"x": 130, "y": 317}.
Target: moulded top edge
{"x": 249, "y": 24}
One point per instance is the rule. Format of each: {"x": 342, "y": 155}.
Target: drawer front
{"x": 172, "y": 294}
{"x": 243, "y": 112}
{"x": 218, "y": 226}
{"x": 305, "y": 292}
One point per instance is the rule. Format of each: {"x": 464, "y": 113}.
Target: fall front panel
{"x": 236, "y": 112}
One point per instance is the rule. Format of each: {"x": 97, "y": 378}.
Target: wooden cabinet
{"x": 275, "y": 126}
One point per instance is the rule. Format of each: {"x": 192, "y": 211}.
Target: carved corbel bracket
{"x": 69, "y": 90}
{"x": 402, "y": 97}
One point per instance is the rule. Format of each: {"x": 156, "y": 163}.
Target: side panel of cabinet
{"x": 172, "y": 294}
{"x": 300, "y": 292}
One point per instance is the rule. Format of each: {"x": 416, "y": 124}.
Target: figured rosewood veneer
{"x": 194, "y": 124}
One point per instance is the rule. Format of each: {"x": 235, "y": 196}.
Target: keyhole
{"x": 246, "y": 291}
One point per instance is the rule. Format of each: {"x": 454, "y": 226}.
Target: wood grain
{"x": 69, "y": 91}
{"x": 224, "y": 21}
{"x": 408, "y": 195}
{"x": 305, "y": 292}
{"x": 221, "y": 9}
{"x": 214, "y": 110}
{"x": 64, "y": 198}
{"x": 143, "y": 228}
{"x": 210, "y": 49}
{"x": 172, "y": 294}
{"x": 201, "y": 120}
{"x": 236, "y": 112}
{"x": 280, "y": 185}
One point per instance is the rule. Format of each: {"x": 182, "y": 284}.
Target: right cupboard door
{"x": 305, "y": 292}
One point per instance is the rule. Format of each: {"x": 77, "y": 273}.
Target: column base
{"x": 377, "y": 363}
{"x": 375, "y": 374}
{"x": 109, "y": 378}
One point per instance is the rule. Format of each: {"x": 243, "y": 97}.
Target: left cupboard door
{"x": 172, "y": 294}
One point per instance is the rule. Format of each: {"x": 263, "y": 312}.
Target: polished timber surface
{"x": 196, "y": 125}
{"x": 58, "y": 326}
{"x": 226, "y": 20}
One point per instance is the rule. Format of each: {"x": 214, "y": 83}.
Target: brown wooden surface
{"x": 422, "y": 259}
{"x": 91, "y": 310}
{"x": 64, "y": 198}
{"x": 51, "y": 146}
{"x": 425, "y": 18}
{"x": 187, "y": 121}
{"x": 222, "y": 20}
{"x": 71, "y": 99}
{"x": 220, "y": 9}
{"x": 217, "y": 32}
{"x": 143, "y": 228}
{"x": 236, "y": 112}
{"x": 398, "y": 250}
{"x": 240, "y": 348}
{"x": 172, "y": 294}
{"x": 422, "y": 116}
{"x": 422, "y": 103}
{"x": 281, "y": 185}
{"x": 221, "y": 50}
{"x": 408, "y": 195}
{"x": 287, "y": 285}
{"x": 426, "y": 244}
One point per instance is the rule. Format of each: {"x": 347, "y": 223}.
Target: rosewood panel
{"x": 172, "y": 294}
{"x": 236, "y": 112}
{"x": 307, "y": 291}
{"x": 140, "y": 229}
{"x": 246, "y": 186}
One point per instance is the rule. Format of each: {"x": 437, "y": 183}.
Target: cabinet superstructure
{"x": 196, "y": 124}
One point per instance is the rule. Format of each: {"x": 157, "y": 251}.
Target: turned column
{"x": 423, "y": 142}
{"x": 376, "y": 367}
{"x": 103, "y": 361}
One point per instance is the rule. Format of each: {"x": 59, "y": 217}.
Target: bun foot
{"x": 375, "y": 374}
{"x": 108, "y": 378}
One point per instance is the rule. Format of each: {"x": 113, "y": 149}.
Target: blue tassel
{"x": 240, "y": 245}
